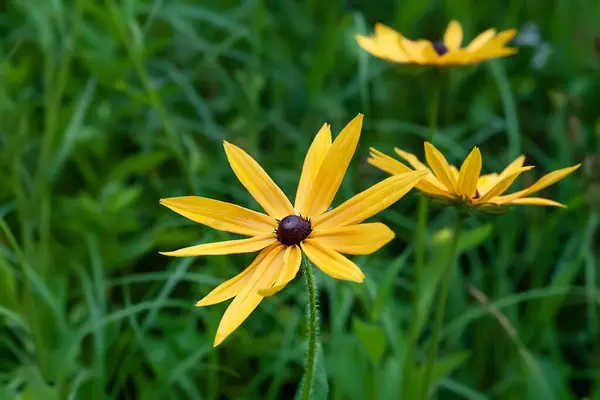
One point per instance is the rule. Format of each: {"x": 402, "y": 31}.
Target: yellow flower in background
{"x": 285, "y": 230}
{"x": 390, "y": 45}
{"x": 467, "y": 185}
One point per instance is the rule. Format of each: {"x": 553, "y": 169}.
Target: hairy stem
{"x": 312, "y": 326}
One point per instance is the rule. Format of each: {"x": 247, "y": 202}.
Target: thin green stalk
{"x": 28, "y": 300}
{"x": 439, "y": 315}
{"x": 55, "y": 84}
{"x": 449, "y": 97}
{"x": 135, "y": 55}
{"x": 434, "y": 106}
{"x": 312, "y": 326}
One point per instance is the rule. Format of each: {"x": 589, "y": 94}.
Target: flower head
{"x": 285, "y": 231}
{"x": 390, "y": 45}
{"x": 466, "y": 186}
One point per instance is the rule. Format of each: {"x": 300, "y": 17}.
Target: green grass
{"x": 107, "y": 106}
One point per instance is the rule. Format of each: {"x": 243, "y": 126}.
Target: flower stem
{"x": 312, "y": 327}
{"x": 439, "y": 315}
{"x": 434, "y": 106}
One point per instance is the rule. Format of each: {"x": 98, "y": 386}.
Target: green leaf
{"x": 137, "y": 164}
{"x": 372, "y": 338}
{"x": 320, "y": 386}
{"x": 442, "y": 369}
{"x": 7, "y": 285}
{"x": 36, "y": 388}
{"x": 474, "y": 237}
{"x": 383, "y": 294}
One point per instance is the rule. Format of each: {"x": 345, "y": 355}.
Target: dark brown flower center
{"x": 293, "y": 229}
{"x": 440, "y": 47}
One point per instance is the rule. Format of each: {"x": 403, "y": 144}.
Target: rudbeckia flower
{"x": 390, "y": 45}
{"x": 286, "y": 230}
{"x": 466, "y": 186}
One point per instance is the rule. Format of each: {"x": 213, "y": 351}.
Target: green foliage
{"x": 107, "y": 106}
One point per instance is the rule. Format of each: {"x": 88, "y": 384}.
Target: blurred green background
{"x": 107, "y": 106}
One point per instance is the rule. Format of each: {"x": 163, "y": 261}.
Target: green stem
{"x": 439, "y": 315}
{"x": 312, "y": 328}
{"x": 449, "y": 96}
{"x": 434, "y": 106}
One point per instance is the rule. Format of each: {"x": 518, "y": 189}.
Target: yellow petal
{"x": 332, "y": 171}
{"x": 454, "y": 171}
{"x": 387, "y": 163}
{"x": 485, "y": 183}
{"x": 414, "y": 50}
{"x": 504, "y": 37}
{"x": 542, "y": 183}
{"x": 257, "y": 182}
{"x": 354, "y": 239}
{"x": 429, "y": 184}
{"x": 497, "y": 43}
{"x": 458, "y": 56}
{"x": 411, "y": 159}
{"x": 370, "y": 45}
{"x": 227, "y": 247}
{"x": 289, "y": 270}
{"x": 485, "y": 54}
{"x": 501, "y": 186}
{"x": 453, "y": 36}
{"x": 248, "y": 298}
{"x": 331, "y": 262}
{"x": 469, "y": 174}
{"x": 314, "y": 158}
{"x": 220, "y": 215}
{"x": 233, "y": 286}
{"x": 430, "y": 55}
{"x": 369, "y": 202}
{"x": 481, "y": 40}
{"x": 512, "y": 167}
{"x": 430, "y": 180}
{"x": 440, "y": 167}
{"x": 389, "y": 43}
{"x": 538, "y": 201}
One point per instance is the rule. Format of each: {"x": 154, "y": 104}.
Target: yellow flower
{"x": 285, "y": 230}
{"x": 390, "y": 45}
{"x": 467, "y": 186}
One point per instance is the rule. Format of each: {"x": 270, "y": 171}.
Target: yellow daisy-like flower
{"x": 390, "y": 45}
{"x": 467, "y": 186}
{"x": 286, "y": 231}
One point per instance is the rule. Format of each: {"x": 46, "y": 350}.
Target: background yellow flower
{"x": 390, "y": 45}
{"x": 467, "y": 184}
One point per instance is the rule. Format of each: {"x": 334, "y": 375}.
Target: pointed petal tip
{"x": 358, "y": 119}
{"x": 379, "y": 25}
{"x": 201, "y": 303}
{"x": 219, "y": 339}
